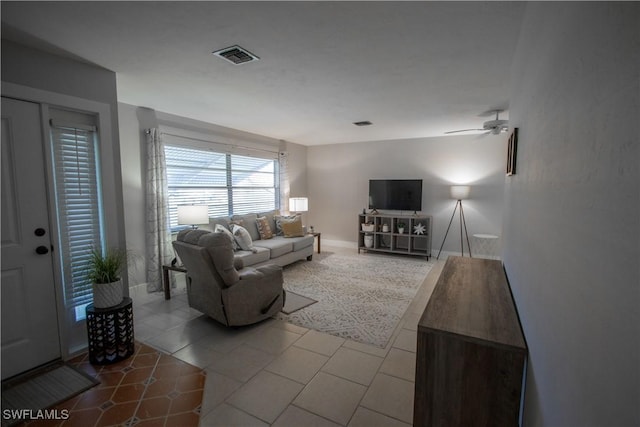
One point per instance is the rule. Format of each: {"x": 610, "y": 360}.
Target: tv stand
{"x": 384, "y": 234}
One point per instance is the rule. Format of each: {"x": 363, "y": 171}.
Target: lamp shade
{"x": 460, "y": 192}
{"x": 192, "y": 215}
{"x": 298, "y": 204}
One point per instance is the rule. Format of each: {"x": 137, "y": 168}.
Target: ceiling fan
{"x": 494, "y": 127}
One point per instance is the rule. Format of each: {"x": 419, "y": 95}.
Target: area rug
{"x": 360, "y": 297}
{"x": 42, "y": 389}
{"x": 295, "y": 302}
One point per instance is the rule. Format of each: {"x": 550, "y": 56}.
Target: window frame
{"x": 229, "y": 152}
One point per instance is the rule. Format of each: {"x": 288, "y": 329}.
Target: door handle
{"x": 42, "y": 250}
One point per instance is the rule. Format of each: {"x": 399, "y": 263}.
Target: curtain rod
{"x": 147, "y": 131}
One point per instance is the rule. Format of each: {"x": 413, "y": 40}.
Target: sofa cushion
{"x": 271, "y": 217}
{"x": 222, "y": 220}
{"x": 299, "y": 243}
{"x": 292, "y": 228}
{"x": 242, "y": 237}
{"x": 279, "y": 219}
{"x": 249, "y": 223}
{"x": 250, "y": 258}
{"x": 278, "y": 246}
{"x": 264, "y": 228}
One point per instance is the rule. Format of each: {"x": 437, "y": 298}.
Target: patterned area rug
{"x": 360, "y": 297}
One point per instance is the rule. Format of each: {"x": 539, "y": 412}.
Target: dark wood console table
{"x": 471, "y": 353}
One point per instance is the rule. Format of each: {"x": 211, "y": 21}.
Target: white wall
{"x": 339, "y": 174}
{"x": 572, "y": 212}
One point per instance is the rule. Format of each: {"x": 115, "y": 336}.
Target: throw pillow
{"x": 249, "y": 223}
{"x": 264, "y": 228}
{"x": 219, "y": 228}
{"x": 283, "y": 218}
{"x": 270, "y": 215}
{"x": 292, "y": 228}
{"x": 243, "y": 238}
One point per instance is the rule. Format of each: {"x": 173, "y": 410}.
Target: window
{"x": 74, "y": 151}
{"x": 227, "y": 183}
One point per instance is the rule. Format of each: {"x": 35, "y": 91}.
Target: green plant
{"x": 106, "y": 267}
{"x": 401, "y": 224}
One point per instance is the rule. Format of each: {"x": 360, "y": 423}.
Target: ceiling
{"x": 414, "y": 69}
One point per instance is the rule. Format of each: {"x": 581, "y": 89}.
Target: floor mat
{"x": 295, "y": 302}
{"x": 29, "y": 395}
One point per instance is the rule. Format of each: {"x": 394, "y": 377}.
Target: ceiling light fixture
{"x": 236, "y": 55}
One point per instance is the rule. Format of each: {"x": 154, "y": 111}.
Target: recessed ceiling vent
{"x": 363, "y": 123}
{"x": 236, "y": 55}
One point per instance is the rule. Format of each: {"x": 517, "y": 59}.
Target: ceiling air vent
{"x": 236, "y": 55}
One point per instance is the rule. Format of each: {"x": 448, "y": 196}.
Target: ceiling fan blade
{"x": 463, "y": 130}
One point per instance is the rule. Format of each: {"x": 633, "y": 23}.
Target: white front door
{"x": 30, "y": 335}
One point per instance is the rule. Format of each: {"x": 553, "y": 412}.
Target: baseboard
{"x": 434, "y": 252}
{"x": 340, "y": 243}
{"x": 446, "y": 254}
{"x": 138, "y": 288}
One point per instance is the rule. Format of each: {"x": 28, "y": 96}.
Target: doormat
{"x": 28, "y": 396}
{"x": 295, "y": 302}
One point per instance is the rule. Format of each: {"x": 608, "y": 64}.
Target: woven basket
{"x": 107, "y": 295}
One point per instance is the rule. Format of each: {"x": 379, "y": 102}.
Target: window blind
{"x": 227, "y": 183}
{"x": 78, "y": 203}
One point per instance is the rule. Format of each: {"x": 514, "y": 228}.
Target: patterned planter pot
{"x": 107, "y": 295}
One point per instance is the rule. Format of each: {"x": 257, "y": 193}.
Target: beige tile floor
{"x": 279, "y": 374}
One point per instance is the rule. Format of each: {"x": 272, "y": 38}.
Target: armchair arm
{"x": 256, "y": 296}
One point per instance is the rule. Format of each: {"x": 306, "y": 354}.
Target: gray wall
{"x": 338, "y": 182}
{"x": 34, "y": 68}
{"x": 572, "y": 212}
{"x": 133, "y": 189}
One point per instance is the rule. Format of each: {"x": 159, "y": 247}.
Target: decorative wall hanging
{"x": 512, "y": 152}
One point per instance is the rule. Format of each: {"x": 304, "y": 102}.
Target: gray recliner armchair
{"x": 219, "y": 286}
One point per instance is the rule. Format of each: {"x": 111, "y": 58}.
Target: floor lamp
{"x": 458, "y": 192}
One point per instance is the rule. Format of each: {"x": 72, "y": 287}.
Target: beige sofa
{"x": 278, "y": 250}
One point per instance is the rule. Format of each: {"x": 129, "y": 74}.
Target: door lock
{"x": 39, "y": 232}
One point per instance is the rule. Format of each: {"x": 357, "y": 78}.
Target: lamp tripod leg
{"x": 447, "y": 232}
{"x": 463, "y": 221}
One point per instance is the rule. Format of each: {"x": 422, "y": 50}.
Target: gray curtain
{"x": 158, "y": 235}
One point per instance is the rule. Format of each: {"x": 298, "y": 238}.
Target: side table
{"x": 319, "y": 236}
{"x": 110, "y": 332}
{"x": 166, "y": 285}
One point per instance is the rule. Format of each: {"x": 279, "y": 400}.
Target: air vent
{"x": 363, "y": 123}
{"x": 236, "y": 55}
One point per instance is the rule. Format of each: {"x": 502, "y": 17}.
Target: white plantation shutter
{"x": 253, "y": 183}
{"x": 78, "y": 206}
{"x": 227, "y": 183}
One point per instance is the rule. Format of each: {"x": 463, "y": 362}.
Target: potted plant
{"x": 401, "y": 226}
{"x": 104, "y": 272}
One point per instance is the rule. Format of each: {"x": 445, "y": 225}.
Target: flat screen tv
{"x": 395, "y": 194}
